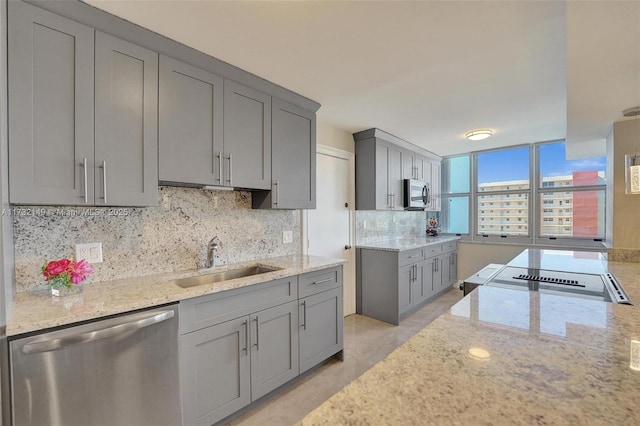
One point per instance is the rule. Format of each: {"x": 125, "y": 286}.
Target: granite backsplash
{"x": 143, "y": 241}
{"x": 376, "y": 225}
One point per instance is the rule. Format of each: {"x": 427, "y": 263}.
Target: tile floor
{"x": 366, "y": 342}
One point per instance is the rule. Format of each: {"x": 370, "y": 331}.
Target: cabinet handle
{"x": 220, "y": 167}
{"x": 257, "y": 344}
{"x": 411, "y": 274}
{"x": 415, "y": 273}
{"x": 393, "y": 201}
{"x": 104, "y": 180}
{"x": 276, "y": 188}
{"x": 322, "y": 281}
{"x": 230, "y": 170}
{"x": 86, "y": 190}
{"x": 304, "y": 314}
{"x": 246, "y": 335}
{"x": 389, "y": 201}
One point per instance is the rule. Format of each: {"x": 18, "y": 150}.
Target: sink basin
{"x": 216, "y": 277}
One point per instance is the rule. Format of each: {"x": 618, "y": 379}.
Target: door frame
{"x": 349, "y": 275}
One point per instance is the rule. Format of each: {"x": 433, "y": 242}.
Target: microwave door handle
{"x": 91, "y": 336}
{"x": 425, "y": 194}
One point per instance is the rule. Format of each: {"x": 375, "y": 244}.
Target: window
{"x": 583, "y": 185}
{"x": 569, "y": 194}
{"x": 456, "y": 188}
{"x": 501, "y": 175}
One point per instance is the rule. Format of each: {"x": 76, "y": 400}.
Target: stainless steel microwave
{"x": 416, "y": 194}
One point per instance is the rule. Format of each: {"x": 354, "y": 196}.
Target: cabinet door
{"x": 274, "y": 348}
{"x": 428, "y": 270}
{"x": 408, "y": 165}
{"x": 293, "y": 157}
{"x": 126, "y": 126}
{"x": 395, "y": 178}
{"x": 453, "y": 268}
{"x": 417, "y": 293}
{"x": 247, "y": 137}
{"x": 383, "y": 196}
{"x": 421, "y": 164}
{"x": 445, "y": 264}
{"x": 404, "y": 288}
{"x": 50, "y": 101}
{"x": 435, "y": 186}
{"x": 214, "y": 369}
{"x": 190, "y": 124}
{"x": 321, "y": 327}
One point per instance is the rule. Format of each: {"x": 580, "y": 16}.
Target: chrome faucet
{"x": 212, "y": 250}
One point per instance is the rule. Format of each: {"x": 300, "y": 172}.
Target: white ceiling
{"x": 428, "y": 71}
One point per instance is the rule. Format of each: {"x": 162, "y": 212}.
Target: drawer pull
{"x": 322, "y": 281}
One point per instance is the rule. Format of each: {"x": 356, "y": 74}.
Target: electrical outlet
{"x": 364, "y": 224}
{"x": 91, "y": 252}
{"x": 287, "y": 237}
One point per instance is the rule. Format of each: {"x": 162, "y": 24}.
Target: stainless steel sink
{"x": 216, "y": 277}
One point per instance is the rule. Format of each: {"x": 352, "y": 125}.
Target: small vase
{"x": 65, "y": 291}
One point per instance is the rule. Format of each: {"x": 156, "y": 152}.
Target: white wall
{"x": 332, "y": 136}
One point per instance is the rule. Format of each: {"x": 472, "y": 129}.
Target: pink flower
{"x": 55, "y": 267}
{"x": 79, "y": 271}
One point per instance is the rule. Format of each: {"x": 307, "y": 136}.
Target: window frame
{"x": 445, "y": 196}
{"x": 535, "y": 204}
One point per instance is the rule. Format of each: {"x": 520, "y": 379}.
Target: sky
{"x": 513, "y": 164}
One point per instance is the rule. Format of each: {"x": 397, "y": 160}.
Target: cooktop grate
{"x": 552, "y": 280}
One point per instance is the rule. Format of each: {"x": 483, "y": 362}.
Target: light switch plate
{"x": 91, "y": 252}
{"x": 287, "y": 237}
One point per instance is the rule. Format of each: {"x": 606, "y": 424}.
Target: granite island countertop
{"x": 406, "y": 243}
{"x": 502, "y": 356}
{"x": 38, "y": 310}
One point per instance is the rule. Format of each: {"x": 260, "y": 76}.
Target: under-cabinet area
{"x": 395, "y": 279}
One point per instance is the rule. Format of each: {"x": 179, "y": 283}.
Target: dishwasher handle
{"x": 92, "y": 336}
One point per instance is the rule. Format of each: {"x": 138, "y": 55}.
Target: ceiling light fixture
{"x": 478, "y": 135}
{"x": 632, "y": 161}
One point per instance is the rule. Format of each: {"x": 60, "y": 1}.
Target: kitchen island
{"x": 503, "y": 356}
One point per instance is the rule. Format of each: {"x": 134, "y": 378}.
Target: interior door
{"x": 329, "y": 225}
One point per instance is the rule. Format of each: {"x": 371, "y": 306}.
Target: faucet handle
{"x": 212, "y": 242}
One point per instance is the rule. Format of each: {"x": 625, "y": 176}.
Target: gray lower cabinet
{"x": 247, "y": 137}
{"x": 215, "y": 371}
{"x": 238, "y": 345}
{"x": 79, "y": 137}
{"x": 274, "y": 348}
{"x": 190, "y": 124}
{"x": 389, "y": 284}
{"x": 320, "y": 315}
{"x": 293, "y": 159}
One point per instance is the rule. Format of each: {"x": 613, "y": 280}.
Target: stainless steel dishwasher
{"x": 118, "y": 371}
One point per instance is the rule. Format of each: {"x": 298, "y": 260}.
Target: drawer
{"x": 317, "y": 281}
{"x": 433, "y": 250}
{"x": 212, "y": 309}
{"x": 409, "y": 257}
{"x": 450, "y": 246}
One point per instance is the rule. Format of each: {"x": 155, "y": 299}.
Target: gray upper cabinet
{"x": 408, "y": 165}
{"x": 190, "y": 124}
{"x": 378, "y": 176}
{"x": 293, "y": 159}
{"x": 247, "y": 137}
{"x": 51, "y": 142}
{"x": 79, "y": 135}
{"x": 126, "y": 123}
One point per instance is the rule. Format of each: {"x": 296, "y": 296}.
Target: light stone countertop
{"x": 551, "y": 360}
{"x": 406, "y": 243}
{"x": 34, "y": 311}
